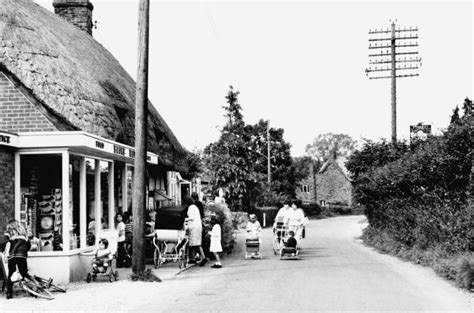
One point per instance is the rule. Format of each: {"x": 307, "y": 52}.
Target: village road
{"x": 335, "y": 272}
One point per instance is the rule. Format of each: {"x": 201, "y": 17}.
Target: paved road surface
{"x": 335, "y": 273}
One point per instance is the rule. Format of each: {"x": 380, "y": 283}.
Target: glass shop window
{"x": 74, "y": 198}
{"x": 41, "y": 206}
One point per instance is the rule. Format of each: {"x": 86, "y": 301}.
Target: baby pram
{"x": 252, "y": 248}
{"x": 170, "y": 240}
{"x": 110, "y": 270}
{"x": 279, "y": 233}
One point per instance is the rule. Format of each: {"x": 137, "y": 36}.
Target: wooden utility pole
{"x": 269, "y": 178}
{"x": 382, "y": 57}
{"x": 141, "y": 116}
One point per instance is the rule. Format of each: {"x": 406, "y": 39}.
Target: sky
{"x": 300, "y": 65}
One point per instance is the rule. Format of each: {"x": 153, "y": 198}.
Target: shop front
{"x": 67, "y": 187}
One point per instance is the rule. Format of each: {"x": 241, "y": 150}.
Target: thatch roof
{"x": 76, "y": 78}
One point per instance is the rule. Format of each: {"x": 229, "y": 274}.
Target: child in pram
{"x": 253, "y": 240}
{"x": 290, "y": 247}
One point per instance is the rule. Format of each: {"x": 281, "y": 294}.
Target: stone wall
{"x": 7, "y": 186}
{"x": 310, "y": 195}
{"x": 17, "y": 114}
{"x": 332, "y": 186}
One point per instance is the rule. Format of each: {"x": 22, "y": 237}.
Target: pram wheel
{"x": 157, "y": 258}
{"x": 111, "y": 277}
{"x": 88, "y": 277}
{"x": 116, "y": 275}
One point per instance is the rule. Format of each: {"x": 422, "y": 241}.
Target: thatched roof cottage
{"x": 67, "y": 134}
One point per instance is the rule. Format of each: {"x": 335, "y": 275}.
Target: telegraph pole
{"x": 269, "y": 178}
{"x": 141, "y": 115}
{"x": 388, "y": 57}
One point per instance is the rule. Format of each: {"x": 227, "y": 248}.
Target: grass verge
{"x": 458, "y": 267}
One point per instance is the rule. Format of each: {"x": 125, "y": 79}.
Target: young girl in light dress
{"x": 216, "y": 246}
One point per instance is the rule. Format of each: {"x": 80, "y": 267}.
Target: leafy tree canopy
{"x": 323, "y": 145}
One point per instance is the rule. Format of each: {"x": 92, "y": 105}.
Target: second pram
{"x": 170, "y": 241}
{"x": 253, "y": 240}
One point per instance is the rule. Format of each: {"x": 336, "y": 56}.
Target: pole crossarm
{"x": 398, "y": 76}
{"x": 389, "y": 54}
{"x": 389, "y": 46}
{"x": 389, "y": 69}
{"x": 396, "y": 38}
{"x": 388, "y": 31}
{"x": 397, "y": 61}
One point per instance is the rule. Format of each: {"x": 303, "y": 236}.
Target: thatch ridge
{"x": 75, "y": 77}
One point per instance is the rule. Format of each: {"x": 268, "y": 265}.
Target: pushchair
{"x": 279, "y": 233}
{"x": 108, "y": 268}
{"x": 290, "y": 252}
{"x": 252, "y": 247}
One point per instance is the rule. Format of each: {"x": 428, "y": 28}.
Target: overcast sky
{"x": 301, "y": 65}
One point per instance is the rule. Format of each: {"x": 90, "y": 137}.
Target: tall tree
{"x": 282, "y": 182}
{"x": 323, "y": 145}
{"x": 227, "y": 159}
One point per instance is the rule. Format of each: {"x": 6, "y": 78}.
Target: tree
{"x": 282, "y": 182}
{"x": 324, "y": 144}
{"x": 227, "y": 159}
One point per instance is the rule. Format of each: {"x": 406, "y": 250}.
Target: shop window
{"x": 129, "y": 187}
{"x": 90, "y": 201}
{"x": 74, "y": 198}
{"x": 118, "y": 186}
{"x": 104, "y": 194}
{"x": 41, "y": 200}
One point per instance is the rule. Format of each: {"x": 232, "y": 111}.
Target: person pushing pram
{"x": 253, "y": 238}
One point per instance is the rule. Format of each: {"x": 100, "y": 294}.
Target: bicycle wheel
{"x": 35, "y": 290}
{"x": 48, "y": 283}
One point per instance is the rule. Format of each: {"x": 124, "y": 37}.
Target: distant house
{"x": 67, "y": 119}
{"x": 306, "y": 188}
{"x": 333, "y": 184}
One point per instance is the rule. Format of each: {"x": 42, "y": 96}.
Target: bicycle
{"x": 39, "y": 287}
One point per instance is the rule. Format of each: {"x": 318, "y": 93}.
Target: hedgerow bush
{"x": 224, "y": 217}
{"x": 416, "y": 197}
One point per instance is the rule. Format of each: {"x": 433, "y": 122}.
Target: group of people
{"x": 193, "y": 219}
{"x": 293, "y": 218}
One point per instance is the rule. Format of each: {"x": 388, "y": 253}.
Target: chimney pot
{"x": 77, "y": 12}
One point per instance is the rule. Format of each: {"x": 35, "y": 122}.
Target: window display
{"x": 42, "y": 206}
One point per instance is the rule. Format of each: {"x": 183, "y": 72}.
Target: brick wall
{"x": 7, "y": 186}
{"x": 17, "y": 114}
{"x": 332, "y": 186}
{"x": 77, "y": 12}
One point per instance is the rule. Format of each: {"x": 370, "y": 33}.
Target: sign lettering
{"x": 4, "y": 139}
{"x": 119, "y": 150}
{"x": 99, "y": 144}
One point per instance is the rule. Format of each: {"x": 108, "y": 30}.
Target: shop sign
{"x": 7, "y": 139}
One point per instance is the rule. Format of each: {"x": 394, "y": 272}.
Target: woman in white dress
{"x": 195, "y": 233}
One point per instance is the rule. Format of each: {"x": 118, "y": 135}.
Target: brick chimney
{"x": 77, "y": 12}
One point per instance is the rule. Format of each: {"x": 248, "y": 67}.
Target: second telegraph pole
{"x": 389, "y": 50}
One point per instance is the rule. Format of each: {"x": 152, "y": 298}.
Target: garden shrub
{"x": 224, "y": 217}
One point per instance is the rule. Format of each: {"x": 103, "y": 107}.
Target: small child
{"x": 216, "y": 246}
{"x": 16, "y": 252}
{"x": 102, "y": 256}
{"x": 254, "y": 230}
{"x": 291, "y": 241}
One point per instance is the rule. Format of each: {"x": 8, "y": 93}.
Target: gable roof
{"x": 77, "y": 79}
{"x": 339, "y": 163}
